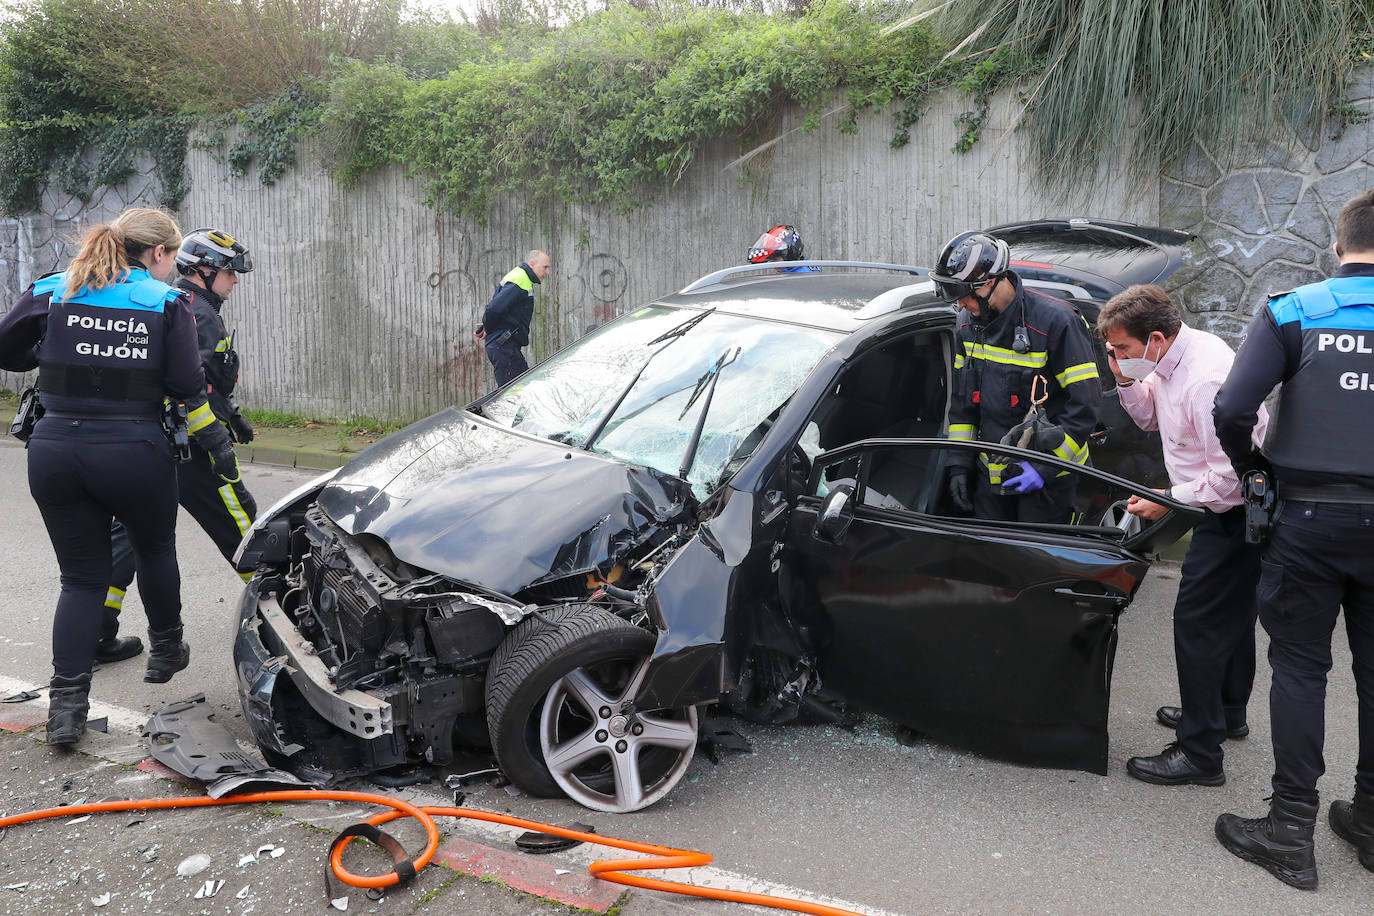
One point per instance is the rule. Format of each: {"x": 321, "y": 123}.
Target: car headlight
{"x": 252, "y": 548}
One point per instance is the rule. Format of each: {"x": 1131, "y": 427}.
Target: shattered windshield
{"x": 638, "y": 389}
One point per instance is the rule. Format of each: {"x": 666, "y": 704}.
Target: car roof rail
{"x": 773, "y": 268}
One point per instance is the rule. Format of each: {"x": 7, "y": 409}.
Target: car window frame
{"x": 1140, "y": 541}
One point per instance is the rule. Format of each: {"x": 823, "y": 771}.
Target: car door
{"x": 994, "y": 636}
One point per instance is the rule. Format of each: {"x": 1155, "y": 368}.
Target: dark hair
{"x": 1355, "y": 225}
{"x": 1139, "y": 310}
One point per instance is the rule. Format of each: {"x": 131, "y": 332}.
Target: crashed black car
{"x": 731, "y": 495}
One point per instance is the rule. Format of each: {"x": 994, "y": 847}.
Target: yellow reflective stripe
{"x": 222, "y": 346}
{"x": 963, "y": 431}
{"x": 114, "y": 598}
{"x": 246, "y": 576}
{"x": 1003, "y": 355}
{"x": 235, "y": 508}
{"x": 1070, "y": 450}
{"x": 994, "y": 469}
{"x": 200, "y": 418}
{"x": 1080, "y": 373}
{"x": 958, "y": 360}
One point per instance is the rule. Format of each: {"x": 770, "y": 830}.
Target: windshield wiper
{"x": 706, "y": 383}
{"x": 668, "y": 335}
{"x": 682, "y": 328}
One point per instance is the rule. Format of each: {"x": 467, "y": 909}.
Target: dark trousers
{"x": 1214, "y": 634}
{"x": 1052, "y": 503}
{"x": 224, "y": 511}
{"x": 507, "y": 362}
{"x": 83, "y": 474}
{"x": 1319, "y": 559}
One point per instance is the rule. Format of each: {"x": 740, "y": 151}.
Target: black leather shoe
{"x": 1169, "y": 717}
{"x": 118, "y": 649}
{"x": 1173, "y": 768}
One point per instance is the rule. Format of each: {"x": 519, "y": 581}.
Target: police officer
{"x": 1006, "y": 337}
{"x": 110, "y": 340}
{"x": 505, "y": 326}
{"x": 781, "y": 243}
{"x": 1318, "y": 341}
{"x": 209, "y": 262}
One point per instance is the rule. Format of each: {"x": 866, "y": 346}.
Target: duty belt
{"x": 1332, "y": 493}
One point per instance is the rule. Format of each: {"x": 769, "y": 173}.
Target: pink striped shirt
{"x": 1176, "y": 399}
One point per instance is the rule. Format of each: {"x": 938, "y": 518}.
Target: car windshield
{"x": 638, "y": 389}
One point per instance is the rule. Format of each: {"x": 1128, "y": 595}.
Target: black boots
{"x": 69, "y": 699}
{"x": 1281, "y": 842}
{"x": 117, "y": 648}
{"x": 167, "y": 656}
{"x": 1354, "y": 823}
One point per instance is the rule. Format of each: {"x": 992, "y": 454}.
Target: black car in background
{"x": 734, "y": 494}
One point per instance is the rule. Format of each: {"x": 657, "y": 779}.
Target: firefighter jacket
{"x": 1318, "y": 341}
{"x": 113, "y": 352}
{"x": 218, "y": 357}
{"x": 993, "y": 382}
{"x": 507, "y": 316}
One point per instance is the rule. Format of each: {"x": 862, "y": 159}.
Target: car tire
{"x": 544, "y": 679}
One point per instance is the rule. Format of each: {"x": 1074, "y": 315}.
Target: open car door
{"x": 995, "y": 636}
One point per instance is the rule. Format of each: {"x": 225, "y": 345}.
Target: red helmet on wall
{"x": 781, "y": 243}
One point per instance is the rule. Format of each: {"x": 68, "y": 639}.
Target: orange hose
{"x": 659, "y": 857}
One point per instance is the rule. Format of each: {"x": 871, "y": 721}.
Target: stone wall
{"x": 364, "y": 300}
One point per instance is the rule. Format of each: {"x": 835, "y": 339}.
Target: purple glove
{"x": 1028, "y": 481}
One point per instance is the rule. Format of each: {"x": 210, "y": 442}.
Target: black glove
{"x": 241, "y": 428}
{"x": 958, "y": 489}
{"x": 225, "y": 464}
{"x": 1254, "y": 461}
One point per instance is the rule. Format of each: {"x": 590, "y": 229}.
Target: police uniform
{"x": 223, "y": 510}
{"x": 106, "y": 358}
{"x": 993, "y": 393}
{"x": 1318, "y": 340}
{"x": 506, "y": 320}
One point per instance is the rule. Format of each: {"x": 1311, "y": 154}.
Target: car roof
{"x": 835, "y": 295}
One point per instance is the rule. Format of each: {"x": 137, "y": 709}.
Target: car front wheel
{"x": 560, "y": 705}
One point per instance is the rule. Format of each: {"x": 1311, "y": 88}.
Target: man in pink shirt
{"x": 1167, "y": 376}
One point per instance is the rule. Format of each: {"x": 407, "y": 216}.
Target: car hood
{"x": 458, "y": 495}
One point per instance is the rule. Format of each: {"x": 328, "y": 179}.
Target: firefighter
{"x": 1013, "y": 344}
{"x": 110, "y": 340}
{"x": 209, "y": 262}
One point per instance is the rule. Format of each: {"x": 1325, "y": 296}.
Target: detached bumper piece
{"x": 185, "y": 738}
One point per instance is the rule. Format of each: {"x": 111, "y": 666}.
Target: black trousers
{"x": 83, "y": 474}
{"x": 224, "y": 511}
{"x": 507, "y": 362}
{"x": 1319, "y": 559}
{"x": 1214, "y": 634}
{"x": 1052, "y": 503}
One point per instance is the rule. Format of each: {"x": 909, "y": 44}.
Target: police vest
{"x": 1322, "y": 409}
{"x": 102, "y": 351}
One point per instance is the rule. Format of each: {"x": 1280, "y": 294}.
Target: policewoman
{"x": 1317, "y": 341}
{"x": 110, "y": 340}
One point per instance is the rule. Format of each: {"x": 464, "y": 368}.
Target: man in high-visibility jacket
{"x": 1006, "y": 337}
{"x": 505, "y": 326}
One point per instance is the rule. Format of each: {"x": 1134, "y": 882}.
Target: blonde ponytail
{"x": 107, "y": 250}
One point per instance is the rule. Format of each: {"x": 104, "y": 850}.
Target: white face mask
{"x": 1137, "y": 367}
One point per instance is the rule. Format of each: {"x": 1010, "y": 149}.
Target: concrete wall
{"x": 363, "y": 301}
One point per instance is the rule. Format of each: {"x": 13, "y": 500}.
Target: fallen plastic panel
{"x": 184, "y": 737}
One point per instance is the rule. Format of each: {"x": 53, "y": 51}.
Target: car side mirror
{"x": 836, "y": 513}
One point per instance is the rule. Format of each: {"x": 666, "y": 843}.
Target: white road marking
{"x": 128, "y": 720}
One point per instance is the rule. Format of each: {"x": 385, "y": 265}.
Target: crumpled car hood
{"x": 458, "y": 495}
